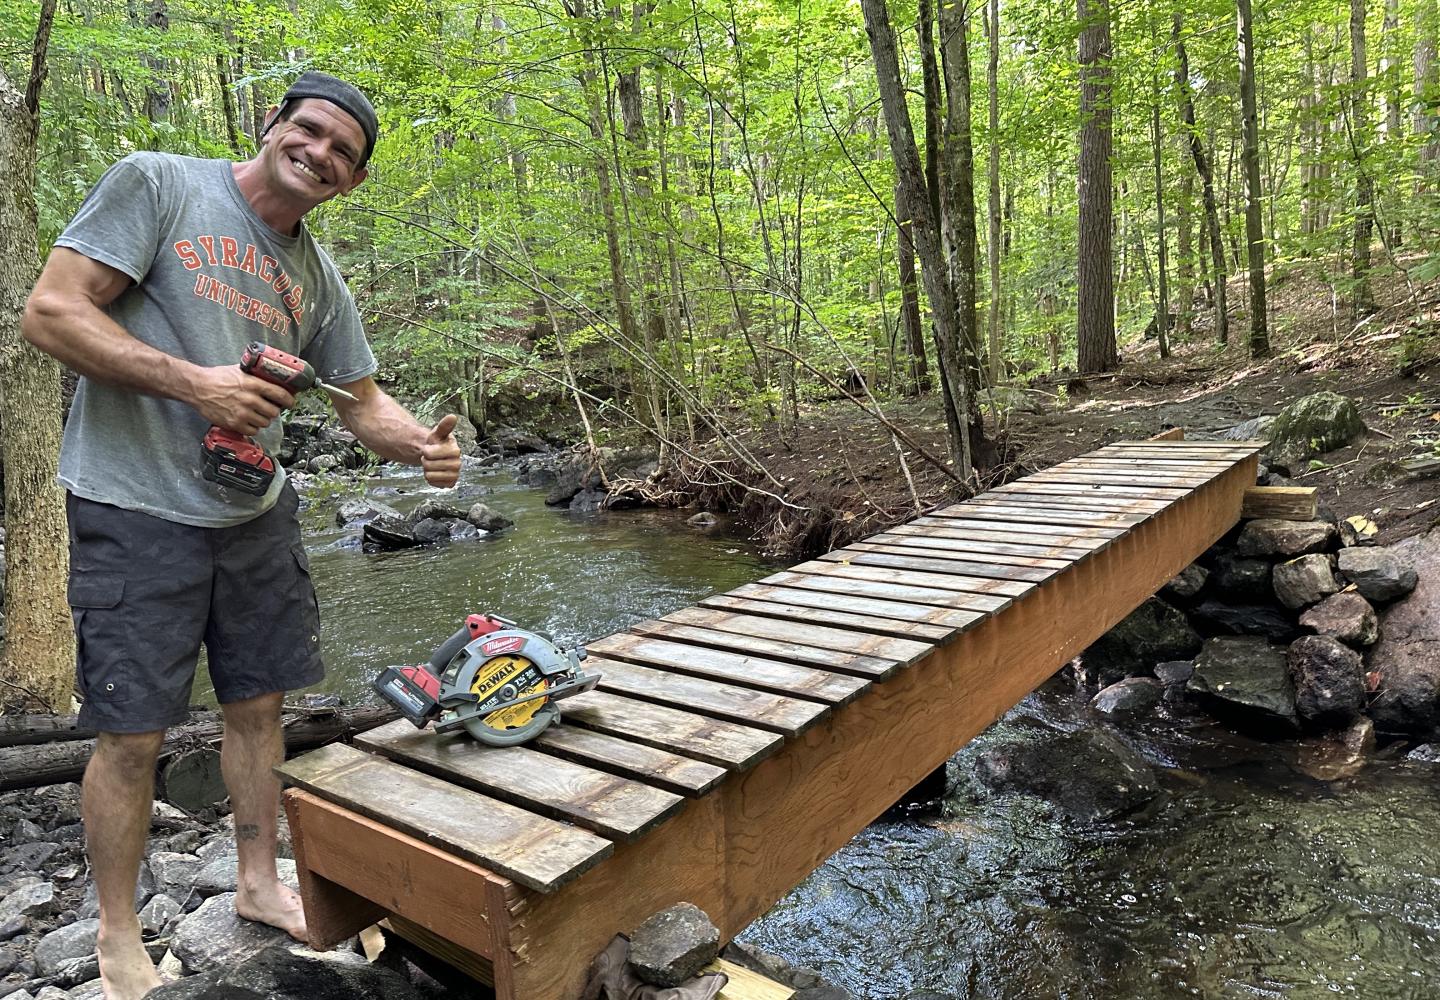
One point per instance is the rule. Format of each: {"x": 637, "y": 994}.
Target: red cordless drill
{"x": 235, "y": 460}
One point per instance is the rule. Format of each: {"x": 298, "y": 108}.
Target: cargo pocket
{"x": 305, "y": 592}
{"x": 100, "y": 635}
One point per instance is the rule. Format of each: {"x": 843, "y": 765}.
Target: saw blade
{"x": 505, "y": 678}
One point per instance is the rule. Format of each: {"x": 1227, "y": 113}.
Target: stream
{"x": 1246, "y": 879}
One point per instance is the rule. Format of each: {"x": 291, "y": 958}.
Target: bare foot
{"x": 126, "y": 971}
{"x": 273, "y": 903}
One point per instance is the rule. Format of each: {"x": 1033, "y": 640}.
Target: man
{"x": 169, "y": 269}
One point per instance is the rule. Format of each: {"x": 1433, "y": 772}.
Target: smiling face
{"x": 312, "y": 154}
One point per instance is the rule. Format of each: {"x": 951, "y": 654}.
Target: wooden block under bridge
{"x": 738, "y": 744}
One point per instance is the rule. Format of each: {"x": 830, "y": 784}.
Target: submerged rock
{"x": 1088, "y": 776}
{"x": 487, "y": 518}
{"x": 1246, "y": 681}
{"x": 1128, "y": 697}
{"x": 1153, "y": 632}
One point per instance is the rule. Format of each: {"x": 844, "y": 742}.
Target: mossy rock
{"x": 1312, "y": 426}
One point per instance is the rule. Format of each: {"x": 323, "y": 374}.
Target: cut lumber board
{"x": 785, "y": 611}
{"x": 834, "y": 657}
{"x": 1029, "y": 485}
{"x": 747, "y": 985}
{"x": 1034, "y": 533}
{"x": 928, "y": 564}
{"x": 1286, "y": 503}
{"x": 613, "y": 807}
{"x": 1076, "y": 500}
{"x": 900, "y": 651}
{"x": 945, "y": 580}
{"x": 1117, "y": 478}
{"x": 724, "y": 744}
{"x": 1026, "y": 513}
{"x": 881, "y": 607}
{"x": 670, "y": 771}
{"x": 994, "y": 538}
{"x": 1169, "y": 434}
{"x": 761, "y": 709}
{"x": 787, "y": 679}
{"x": 539, "y": 853}
{"x": 957, "y": 552}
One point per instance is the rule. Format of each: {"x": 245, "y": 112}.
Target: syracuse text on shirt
{"x": 251, "y": 261}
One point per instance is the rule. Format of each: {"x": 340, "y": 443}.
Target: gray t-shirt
{"x": 210, "y": 277}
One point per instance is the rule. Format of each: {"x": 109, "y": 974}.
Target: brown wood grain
{"x": 613, "y": 807}
{"x": 669, "y": 771}
{"x": 1118, "y": 478}
{"x": 785, "y": 610}
{"x": 945, "y": 579}
{"x": 761, "y": 709}
{"x": 936, "y": 548}
{"x": 537, "y": 852}
{"x": 1286, "y": 503}
{"x": 854, "y": 638}
{"x": 789, "y": 649}
{"x": 724, "y": 744}
{"x": 928, "y": 564}
{"x": 752, "y": 671}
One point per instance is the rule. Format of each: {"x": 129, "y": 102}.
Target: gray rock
{"x": 1153, "y": 632}
{"x": 29, "y": 856}
{"x": 323, "y": 463}
{"x": 175, "y": 873}
{"x": 387, "y": 533}
{"x": 26, "y": 832}
{"x": 821, "y": 993}
{"x": 37, "y": 899}
{"x": 222, "y": 874}
{"x": 60, "y": 947}
{"x": 363, "y": 511}
{"x": 1311, "y": 426}
{"x": 281, "y": 972}
{"x": 194, "y": 988}
{"x": 19, "y": 993}
{"x": 91, "y": 990}
{"x": 1087, "y": 776}
{"x": 704, "y": 519}
{"x": 215, "y": 937}
{"x": 487, "y": 518}
{"x": 1174, "y": 672}
{"x": 9, "y": 957}
{"x": 1345, "y": 616}
{"x": 219, "y": 847}
{"x": 1188, "y": 584}
{"x": 52, "y": 993}
{"x": 1305, "y": 580}
{"x": 1273, "y": 537}
{"x": 1425, "y": 753}
{"x": 1236, "y": 579}
{"x": 673, "y": 945}
{"x": 1329, "y": 680}
{"x": 1245, "y": 681}
{"x": 463, "y": 531}
{"x": 431, "y": 530}
{"x": 1378, "y": 573}
{"x": 1407, "y": 655}
{"x": 1129, "y": 697}
{"x": 13, "y": 927}
{"x": 439, "y": 510}
{"x": 587, "y": 501}
{"x": 155, "y": 914}
{"x": 513, "y": 442}
{"x": 1251, "y": 430}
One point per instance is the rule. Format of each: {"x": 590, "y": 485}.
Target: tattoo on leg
{"x": 247, "y": 831}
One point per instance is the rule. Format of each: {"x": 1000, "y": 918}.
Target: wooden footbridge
{"x": 732, "y": 747}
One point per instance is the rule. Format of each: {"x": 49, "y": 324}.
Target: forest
{"x": 688, "y": 217}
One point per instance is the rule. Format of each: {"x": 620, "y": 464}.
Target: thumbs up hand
{"x": 440, "y": 454}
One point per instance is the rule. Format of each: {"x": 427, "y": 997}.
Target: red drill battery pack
{"x": 412, "y": 690}
{"x": 236, "y": 461}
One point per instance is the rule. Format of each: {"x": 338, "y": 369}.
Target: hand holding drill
{"x": 270, "y": 379}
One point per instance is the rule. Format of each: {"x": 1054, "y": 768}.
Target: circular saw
{"x": 496, "y": 681}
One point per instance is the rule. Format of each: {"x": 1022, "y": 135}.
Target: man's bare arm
{"x": 65, "y": 317}
{"x": 388, "y": 429}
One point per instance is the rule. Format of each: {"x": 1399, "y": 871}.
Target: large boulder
{"x": 1245, "y": 681}
{"x": 215, "y": 937}
{"x": 1312, "y": 426}
{"x": 1346, "y": 616}
{"x": 363, "y": 510}
{"x": 1381, "y": 574}
{"x": 1237, "y": 579}
{"x": 1407, "y": 656}
{"x": 1329, "y": 680}
{"x": 1088, "y": 776}
{"x": 1154, "y": 632}
{"x": 1213, "y": 618}
{"x": 1273, "y": 537}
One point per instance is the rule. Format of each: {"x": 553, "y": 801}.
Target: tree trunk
{"x": 992, "y": 75}
{"x": 1362, "y": 301}
{"x": 926, "y": 228}
{"x": 157, "y": 88}
{"x": 38, "y": 666}
{"x": 1427, "y": 24}
{"x": 1095, "y": 311}
{"x": 227, "y": 101}
{"x": 1207, "y": 185}
{"x": 930, "y": 78}
{"x": 1162, "y": 303}
{"x": 1393, "y": 115}
{"x": 1254, "y": 210}
{"x": 917, "y": 375}
{"x": 1185, "y": 262}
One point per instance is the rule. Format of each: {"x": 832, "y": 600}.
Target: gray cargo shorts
{"x": 146, "y": 592}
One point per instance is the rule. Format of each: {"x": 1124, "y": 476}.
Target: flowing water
{"x": 1246, "y": 879}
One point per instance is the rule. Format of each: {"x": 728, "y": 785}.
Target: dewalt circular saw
{"x": 491, "y": 678}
